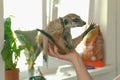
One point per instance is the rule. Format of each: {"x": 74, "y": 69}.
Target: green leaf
{"x": 10, "y": 46}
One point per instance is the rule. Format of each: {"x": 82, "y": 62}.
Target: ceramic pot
{"x": 12, "y": 74}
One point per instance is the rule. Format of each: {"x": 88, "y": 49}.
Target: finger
{"x": 56, "y": 49}
{"x": 50, "y": 51}
{"x": 53, "y": 52}
{"x": 57, "y": 54}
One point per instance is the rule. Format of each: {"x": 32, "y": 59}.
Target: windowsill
{"x": 68, "y": 73}
{"x": 71, "y": 73}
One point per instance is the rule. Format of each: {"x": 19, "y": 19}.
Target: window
{"x": 26, "y": 15}
{"x": 61, "y": 8}
{"x": 32, "y": 14}
{"x": 81, "y": 8}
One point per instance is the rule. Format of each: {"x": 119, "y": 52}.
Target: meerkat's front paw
{"x": 91, "y": 27}
{"x": 69, "y": 47}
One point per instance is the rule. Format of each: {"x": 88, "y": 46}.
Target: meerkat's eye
{"x": 65, "y": 22}
{"x": 76, "y": 20}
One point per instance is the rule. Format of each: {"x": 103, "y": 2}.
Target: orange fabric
{"x": 95, "y": 63}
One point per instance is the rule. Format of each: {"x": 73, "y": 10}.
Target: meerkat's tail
{"x": 47, "y": 35}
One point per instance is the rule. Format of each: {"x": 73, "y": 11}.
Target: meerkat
{"x": 58, "y": 32}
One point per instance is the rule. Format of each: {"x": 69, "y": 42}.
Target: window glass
{"x": 80, "y": 7}
{"x": 26, "y": 15}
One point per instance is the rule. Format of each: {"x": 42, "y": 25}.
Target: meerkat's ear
{"x": 65, "y": 21}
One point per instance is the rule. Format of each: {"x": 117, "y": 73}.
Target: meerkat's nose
{"x": 84, "y": 23}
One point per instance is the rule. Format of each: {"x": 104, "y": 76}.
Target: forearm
{"x": 81, "y": 72}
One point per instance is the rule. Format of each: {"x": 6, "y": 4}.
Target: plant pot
{"x": 12, "y": 74}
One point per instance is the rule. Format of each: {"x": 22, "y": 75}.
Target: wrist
{"x": 80, "y": 69}
{"x": 76, "y": 58}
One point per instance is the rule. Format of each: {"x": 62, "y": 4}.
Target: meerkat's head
{"x": 73, "y": 20}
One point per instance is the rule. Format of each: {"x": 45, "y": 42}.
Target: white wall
{"x": 1, "y": 40}
{"x": 104, "y": 13}
{"x": 110, "y": 29}
{"x": 118, "y": 36}
{"x": 111, "y": 32}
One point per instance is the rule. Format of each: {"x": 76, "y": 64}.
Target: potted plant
{"x": 31, "y": 50}
{"x": 10, "y": 52}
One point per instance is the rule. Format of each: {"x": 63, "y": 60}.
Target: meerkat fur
{"x": 58, "y": 32}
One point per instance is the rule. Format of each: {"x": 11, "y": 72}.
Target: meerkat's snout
{"x": 84, "y": 23}
{"x": 81, "y": 23}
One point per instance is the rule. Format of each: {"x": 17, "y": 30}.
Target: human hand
{"x": 72, "y": 56}
{"x": 75, "y": 59}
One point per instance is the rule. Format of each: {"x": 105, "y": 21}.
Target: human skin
{"x": 75, "y": 59}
